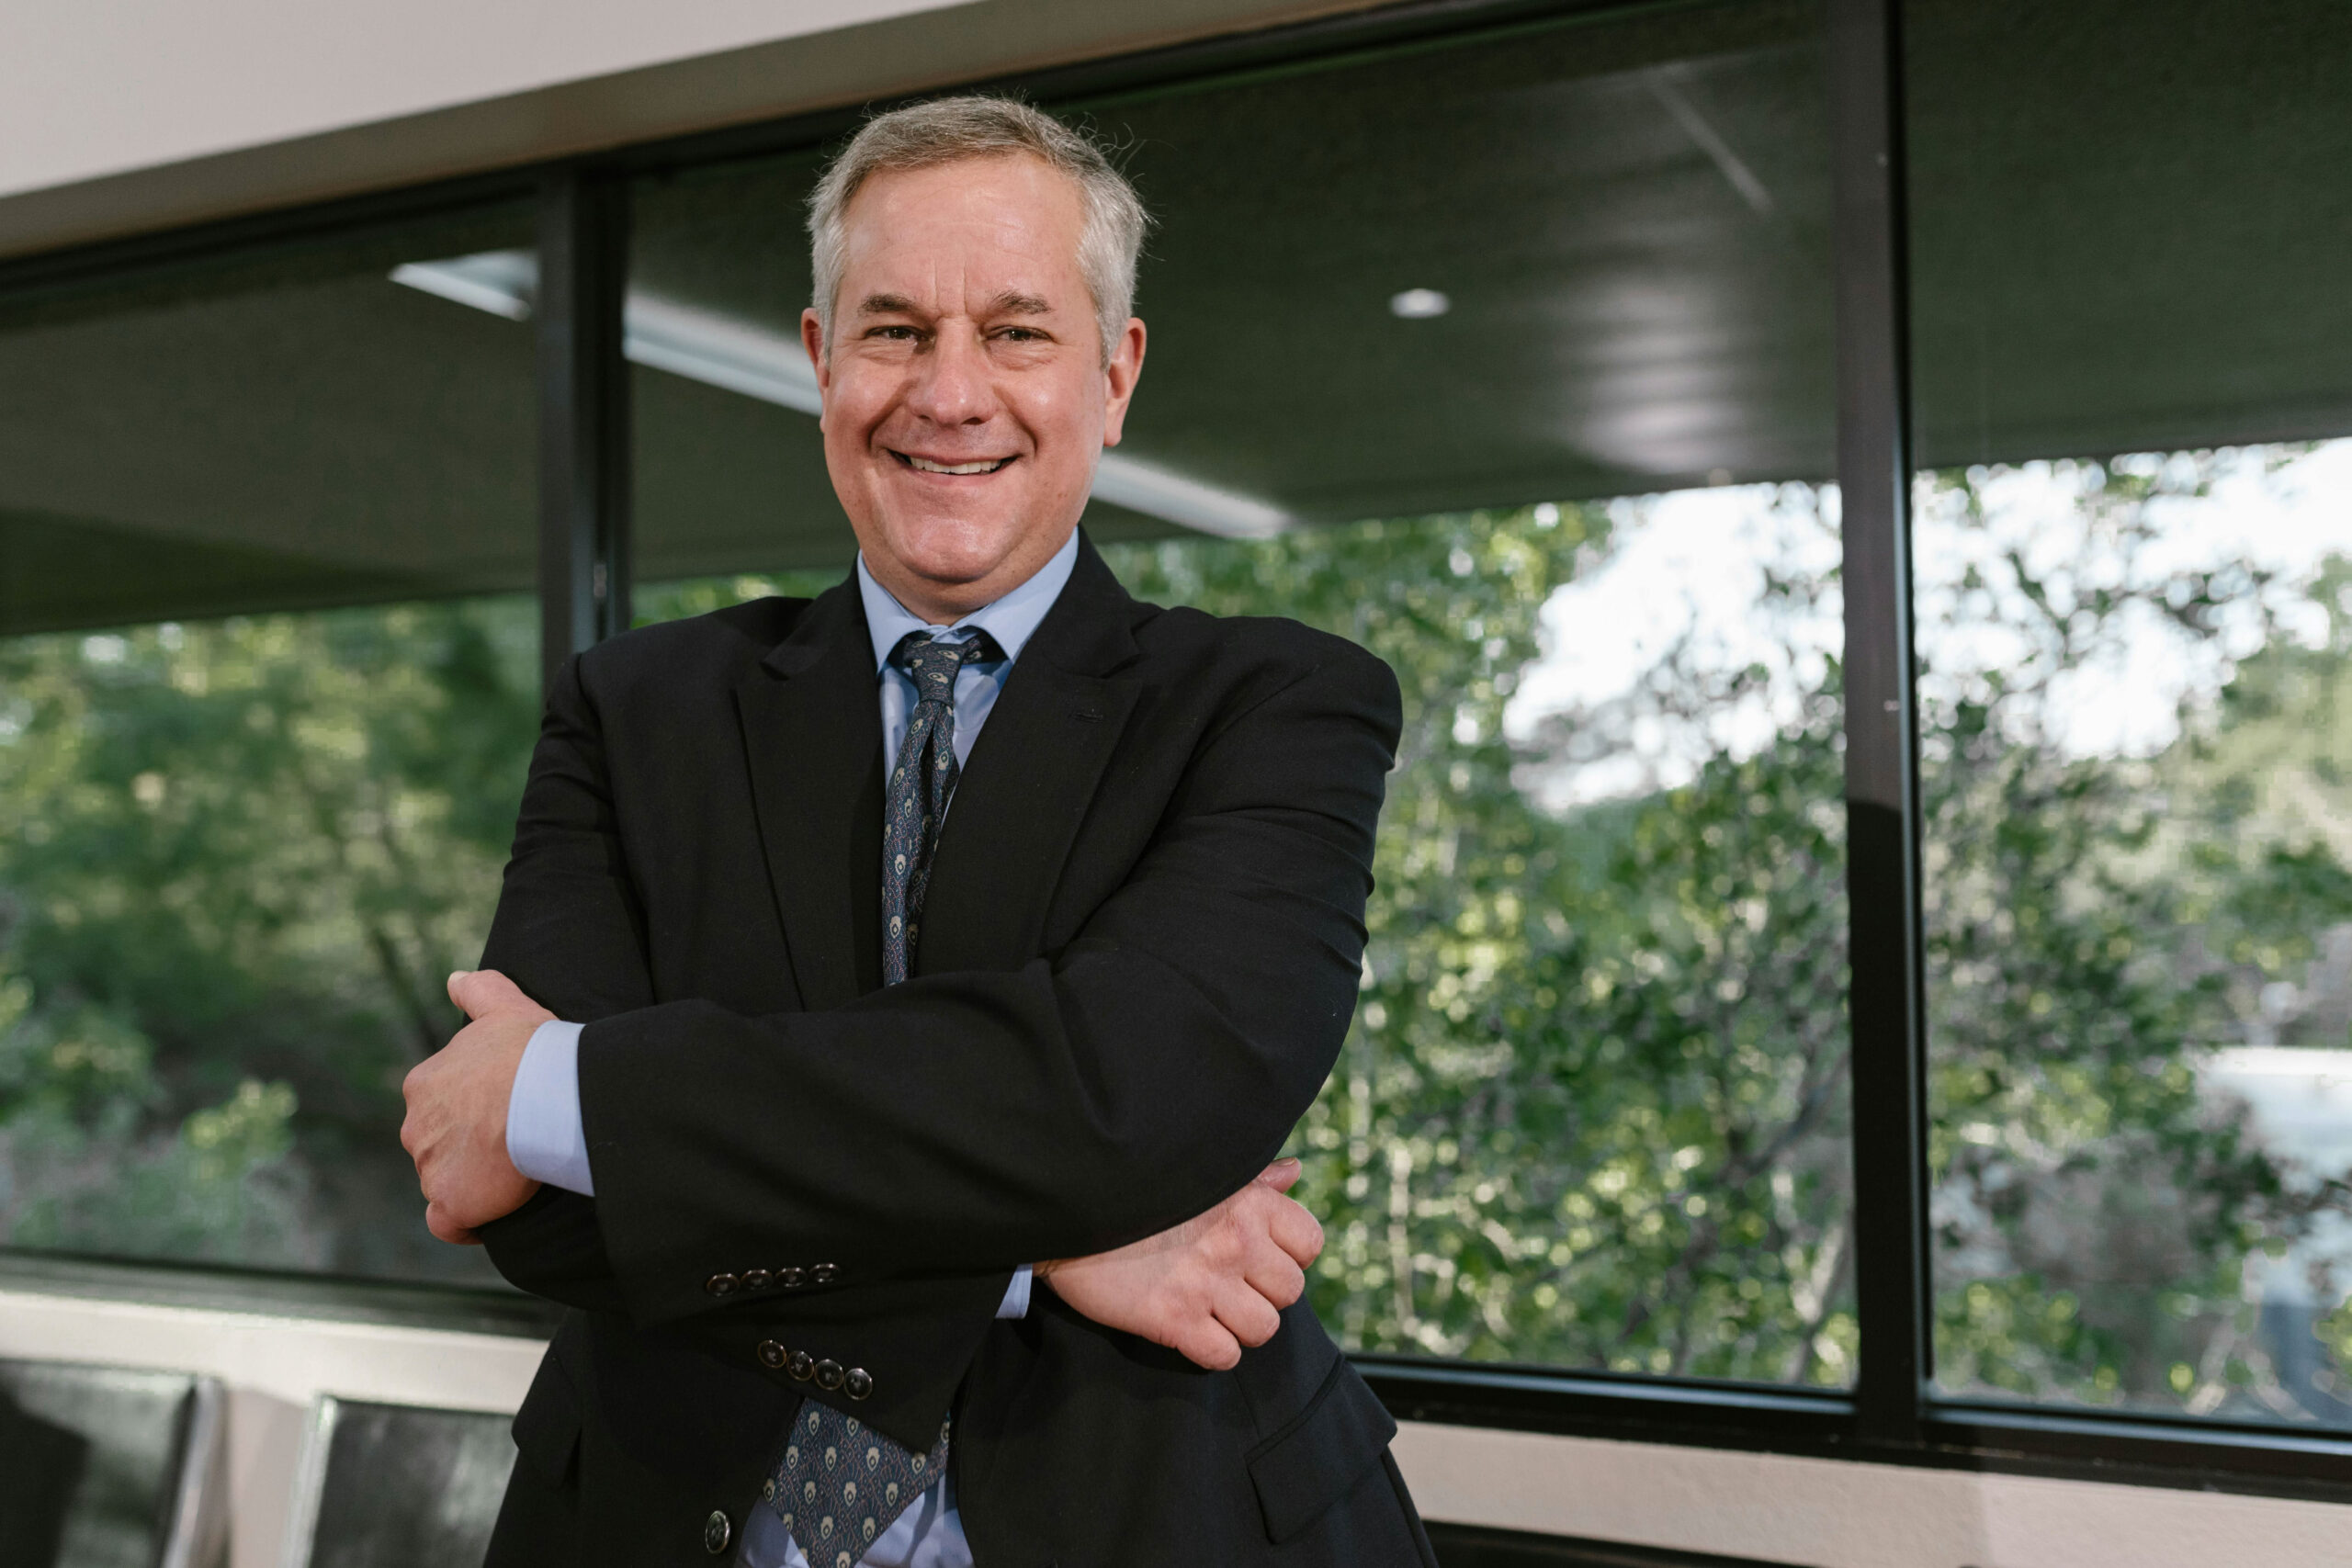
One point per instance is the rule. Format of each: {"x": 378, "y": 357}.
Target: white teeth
{"x": 926, "y": 466}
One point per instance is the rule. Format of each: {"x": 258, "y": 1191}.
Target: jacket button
{"x": 716, "y": 1532}
{"x": 791, "y": 1278}
{"x": 803, "y": 1366}
{"x": 772, "y": 1354}
{"x": 720, "y": 1284}
{"x": 755, "y": 1278}
{"x": 823, "y": 1274}
{"x": 858, "y": 1383}
{"x": 829, "y": 1374}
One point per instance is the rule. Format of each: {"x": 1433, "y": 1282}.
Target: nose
{"x": 951, "y": 385}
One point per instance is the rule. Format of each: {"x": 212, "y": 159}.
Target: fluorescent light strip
{"x": 761, "y": 363}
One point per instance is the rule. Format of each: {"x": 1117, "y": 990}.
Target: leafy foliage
{"x": 1593, "y": 1109}
{"x": 238, "y": 860}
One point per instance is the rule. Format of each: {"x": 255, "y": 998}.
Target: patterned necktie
{"x": 922, "y": 780}
{"x": 839, "y": 1483}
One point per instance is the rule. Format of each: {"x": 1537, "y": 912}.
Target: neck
{"x": 943, "y": 604}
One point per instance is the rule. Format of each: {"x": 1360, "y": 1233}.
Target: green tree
{"x": 2097, "y": 923}
{"x": 237, "y": 860}
{"x": 1592, "y": 1107}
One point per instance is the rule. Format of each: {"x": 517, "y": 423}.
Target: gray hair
{"x": 947, "y": 131}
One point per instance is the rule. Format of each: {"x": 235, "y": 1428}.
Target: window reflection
{"x": 243, "y": 836}
{"x": 239, "y": 858}
{"x": 2140, "y": 913}
{"x": 2131, "y": 339}
{"x": 1416, "y": 318}
{"x": 1593, "y": 1111}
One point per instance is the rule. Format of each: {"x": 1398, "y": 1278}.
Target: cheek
{"x": 1064, "y": 416}
{"x": 858, "y": 398}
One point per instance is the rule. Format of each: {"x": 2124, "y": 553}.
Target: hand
{"x": 1209, "y": 1286}
{"x": 456, "y": 1129}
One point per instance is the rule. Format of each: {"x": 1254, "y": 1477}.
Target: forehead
{"x": 1004, "y": 218}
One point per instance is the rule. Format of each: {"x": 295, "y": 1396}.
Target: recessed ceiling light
{"x": 1419, "y": 304}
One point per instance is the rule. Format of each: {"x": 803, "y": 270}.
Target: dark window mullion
{"x": 1886, "y": 1004}
{"x": 584, "y": 413}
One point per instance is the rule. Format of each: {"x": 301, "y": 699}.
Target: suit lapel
{"x": 1032, "y": 774}
{"x": 812, "y": 733}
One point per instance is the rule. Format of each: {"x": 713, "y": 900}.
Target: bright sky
{"x": 1692, "y": 565}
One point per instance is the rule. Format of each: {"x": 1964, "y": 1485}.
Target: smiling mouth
{"x": 926, "y": 466}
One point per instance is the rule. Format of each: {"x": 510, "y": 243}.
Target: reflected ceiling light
{"x": 1419, "y": 304}
{"x": 758, "y": 362}
{"x": 501, "y": 282}
{"x": 1735, "y": 173}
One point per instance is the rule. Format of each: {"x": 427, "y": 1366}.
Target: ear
{"x": 1120, "y": 378}
{"x": 812, "y": 338}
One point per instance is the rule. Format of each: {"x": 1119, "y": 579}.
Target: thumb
{"x": 479, "y": 991}
{"x": 1281, "y": 1173}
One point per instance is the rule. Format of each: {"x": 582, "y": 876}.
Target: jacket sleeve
{"x": 964, "y": 1122}
{"x": 569, "y": 931}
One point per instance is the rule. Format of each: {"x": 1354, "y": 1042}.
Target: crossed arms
{"x": 1113, "y": 1103}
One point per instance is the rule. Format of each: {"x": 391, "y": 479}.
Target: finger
{"x": 1247, "y": 1315}
{"x": 1205, "y": 1343}
{"x": 481, "y": 991}
{"x": 1274, "y": 1274}
{"x": 1281, "y": 1173}
{"x": 1296, "y": 1231}
{"x": 437, "y": 1221}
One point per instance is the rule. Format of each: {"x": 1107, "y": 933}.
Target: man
{"x": 852, "y": 1062}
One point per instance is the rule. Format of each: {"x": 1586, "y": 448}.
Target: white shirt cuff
{"x": 543, "y": 1137}
{"x": 1016, "y": 1295}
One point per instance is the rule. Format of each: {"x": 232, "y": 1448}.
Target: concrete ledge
{"x": 1816, "y": 1513}
{"x": 1839, "y": 1513}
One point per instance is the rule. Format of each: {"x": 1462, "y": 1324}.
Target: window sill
{"x": 458, "y": 1308}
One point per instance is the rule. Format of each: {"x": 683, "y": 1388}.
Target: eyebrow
{"x": 1011, "y": 302}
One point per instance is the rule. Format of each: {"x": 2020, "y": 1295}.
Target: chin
{"x": 952, "y": 549}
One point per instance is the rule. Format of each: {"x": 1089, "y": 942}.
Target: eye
{"x": 897, "y": 333}
{"x": 1022, "y": 334}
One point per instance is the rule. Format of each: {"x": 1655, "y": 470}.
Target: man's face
{"x": 967, "y": 400}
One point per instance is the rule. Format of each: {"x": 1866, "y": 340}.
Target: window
{"x": 1448, "y": 346}
{"x": 1502, "y": 343}
{"x": 2133, "y": 553}
{"x": 267, "y": 690}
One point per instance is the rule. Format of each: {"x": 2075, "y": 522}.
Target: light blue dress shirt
{"x": 547, "y": 1143}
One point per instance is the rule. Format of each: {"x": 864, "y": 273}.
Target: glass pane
{"x": 2131, "y": 557}
{"x": 1509, "y": 359}
{"x": 267, "y": 692}
{"x": 1593, "y": 1111}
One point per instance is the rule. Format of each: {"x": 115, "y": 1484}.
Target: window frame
{"x": 1893, "y": 1415}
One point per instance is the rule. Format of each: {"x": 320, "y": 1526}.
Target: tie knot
{"x": 932, "y": 664}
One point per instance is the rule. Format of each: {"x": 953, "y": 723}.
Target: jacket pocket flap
{"x": 547, "y": 1427}
{"x": 1301, "y": 1470}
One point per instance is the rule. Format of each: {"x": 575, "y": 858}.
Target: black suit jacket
{"x": 1140, "y": 953}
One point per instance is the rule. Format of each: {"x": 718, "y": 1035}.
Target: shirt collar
{"x": 1011, "y": 619}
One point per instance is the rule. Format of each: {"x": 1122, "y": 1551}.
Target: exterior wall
{"x": 1820, "y": 1513}
{"x": 119, "y": 116}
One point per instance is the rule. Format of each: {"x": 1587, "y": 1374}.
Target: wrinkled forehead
{"x": 961, "y": 233}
